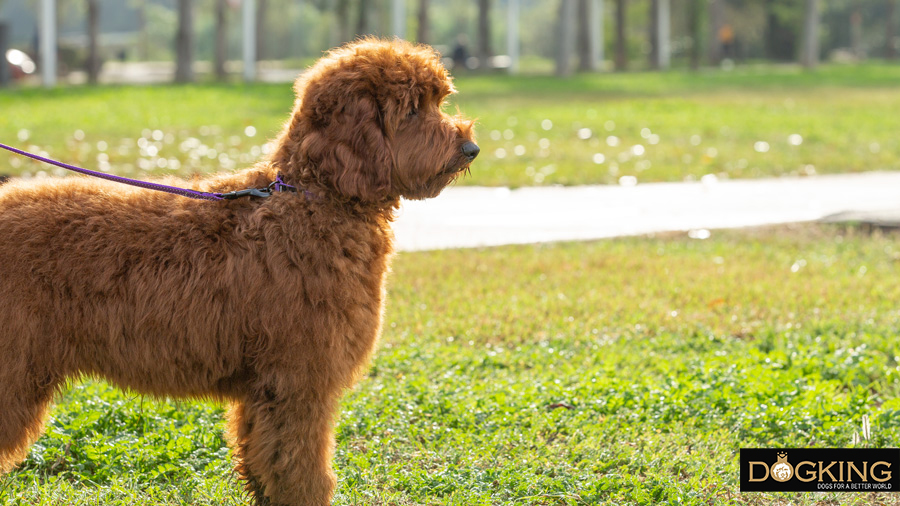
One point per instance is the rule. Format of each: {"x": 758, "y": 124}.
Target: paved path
{"x": 471, "y": 216}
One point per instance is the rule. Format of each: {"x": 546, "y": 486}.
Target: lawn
{"x": 589, "y": 129}
{"x": 625, "y": 371}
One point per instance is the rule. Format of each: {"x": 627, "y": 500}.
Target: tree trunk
{"x": 262, "y": 7}
{"x": 143, "y": 44}
{"x": 694, "y": 29}
{"x": 809, "y": 57}
{"x": 484, "y": 33}
{"x": 780, "y": 38}
{"x": 93, "y": 60}
{"x": 342, "y": 13}
{"x": 586, "y": 61}
{"x": 621, "y": 49}
{"x": 184, "y": 43}
{"x": 362, "y": 23}
{"x": 890, "y": 50}
{"x": 4, "y": 69}
{"x": 716, "y": 24}
{"x": 221, "y": 52}
{"x": 856, "y": 46}
{"x": 653, "y": 34}
{"x": 565, "y": 36}
{"x": 422, "y": 34}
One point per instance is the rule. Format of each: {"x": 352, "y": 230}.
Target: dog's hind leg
{"x": 283, "y": 447}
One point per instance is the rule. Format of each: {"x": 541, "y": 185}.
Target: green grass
{"x": 627, "y": 371}
{"x": 654, "y": 126}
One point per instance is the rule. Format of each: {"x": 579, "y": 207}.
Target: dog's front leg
{"x": 283, "y": 446}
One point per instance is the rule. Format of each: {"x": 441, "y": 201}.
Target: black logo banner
{"x": 820, "y": 469}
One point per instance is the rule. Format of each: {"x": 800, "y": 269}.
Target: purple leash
{"x": 275, "y": 186}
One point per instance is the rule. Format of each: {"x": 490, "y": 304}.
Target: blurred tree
{"x": 262, "y": 8}
{"x": 564, "y": 33}
{"x": 143, "y": 40}
{"x": 4, "y": 38}
{"x": 93, "y": 59}
{"x": 621, "y": 49}
{"x": 890, "y": 48}
{"x": 782, "y": 19}
{"x": 422, "y": 34}
{"x": 184, "y": 43}
{"x": 363, "y": 20}
{"x": 484, "y": 33}
{"x": 342, "y": 13}
{"x": 695, "y": 11}
{"x": 653, "y": 34}
{"x": 298, "y": 29}
{"x": 856, "y": 45}
{"x": 586, "y": 59}
{"x": 716, "y": 30}
{"x": 810, "y": 53}
{"x": 221, "y": 49}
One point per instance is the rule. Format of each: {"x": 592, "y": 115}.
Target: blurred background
{"x": 624, "y": 371}
{"x": 566, "y": 92}
{"x": 150, "y": 40}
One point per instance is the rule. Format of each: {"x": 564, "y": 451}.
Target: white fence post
{"x": 48, "y": 43}
{"x": 512, "y": 35}
{"x": 398, "y": 18}
{"x": 663, "y": 34}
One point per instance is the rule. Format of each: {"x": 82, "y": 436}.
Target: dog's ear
{"x": 350, "y": 148}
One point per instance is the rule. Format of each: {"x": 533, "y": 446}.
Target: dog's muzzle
{"x": 470, "y": 150}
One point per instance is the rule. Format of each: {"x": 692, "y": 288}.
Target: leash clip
{"x": 249, "y": 192}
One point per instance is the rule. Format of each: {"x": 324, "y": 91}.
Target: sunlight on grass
{"x": 722, "y": 134}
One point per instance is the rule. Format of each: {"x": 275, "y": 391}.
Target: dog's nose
{"x": 471, "y": 150}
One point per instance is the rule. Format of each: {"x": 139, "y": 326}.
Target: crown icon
{"x": 782, "y": 455}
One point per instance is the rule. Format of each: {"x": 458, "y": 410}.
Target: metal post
{"x": 512, "y": 35}
{"x": 249, "y": 30}
{"x": 398, "y": 18}
{"x": 48, "y": 43}
{"x": 663, "y": 34}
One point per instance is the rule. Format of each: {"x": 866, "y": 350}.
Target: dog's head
{"x": 368, "y": 124}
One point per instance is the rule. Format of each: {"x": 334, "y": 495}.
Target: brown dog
{"x": 272, "y": 303}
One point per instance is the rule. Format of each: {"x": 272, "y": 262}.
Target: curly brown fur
{"x": 273, "y": 304}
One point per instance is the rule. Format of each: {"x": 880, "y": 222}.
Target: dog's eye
{"x": 412, "y": 112}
